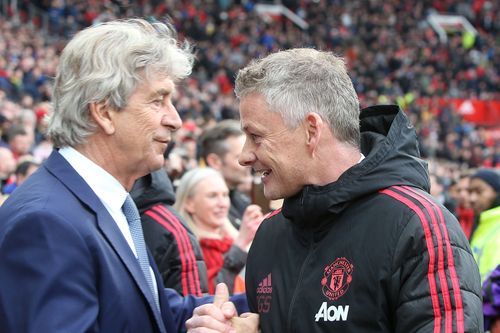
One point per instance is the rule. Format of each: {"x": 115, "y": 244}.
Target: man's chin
{"x": 270, "y": 194}
{"x": 155, "y": 165}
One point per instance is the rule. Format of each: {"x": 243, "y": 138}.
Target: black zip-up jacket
{"x": 371, "y": 252}
{"x": 175, "y": 248}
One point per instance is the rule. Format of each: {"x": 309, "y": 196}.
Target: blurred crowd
{"x": 393, "y": 54}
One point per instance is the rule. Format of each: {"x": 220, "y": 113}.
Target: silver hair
{"x": 297, "y": 81}
{"x": 186, "y": 189}
{"x": 105, "y": 63}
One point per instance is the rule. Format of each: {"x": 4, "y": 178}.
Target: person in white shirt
{"x": 72, "y": 255}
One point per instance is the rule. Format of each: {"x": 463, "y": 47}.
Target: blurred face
{"x": 7, "y": 163}
{"x": 234, "y": 173}
{"x": 209, "y": 204}
{"x": 436, "y": 187}
{"x": 21, "y": 144}
{"x": 144, "y": 128}
{"x": 462, "y": 192}
{"x": 482, "y": 195}
{"x": 272, "y": 149}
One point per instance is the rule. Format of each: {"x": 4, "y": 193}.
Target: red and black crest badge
{"x": 336, "y": 278}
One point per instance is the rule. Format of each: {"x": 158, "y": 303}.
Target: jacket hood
{"x": 392, "y": 157}
{"x": 153, "y": 189}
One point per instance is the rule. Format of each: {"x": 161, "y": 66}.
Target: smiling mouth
{"x": 220, "y": 214}
{"x": 263, "y": 173}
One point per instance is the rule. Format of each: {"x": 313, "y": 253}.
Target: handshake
{"x": 221, "y": 316}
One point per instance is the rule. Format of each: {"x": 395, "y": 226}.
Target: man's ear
{"x": 214, "y": 161}
{"x": 101, "y": 114}
{"x": 313, "y": 126}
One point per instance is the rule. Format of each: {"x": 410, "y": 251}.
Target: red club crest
{"x": 336, "y": 278}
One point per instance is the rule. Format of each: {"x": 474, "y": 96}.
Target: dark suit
{"x": 65, "y": 266}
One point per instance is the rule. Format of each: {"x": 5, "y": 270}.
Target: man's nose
{"x": 247, "y": 157}
{"x": 171, "y": 117}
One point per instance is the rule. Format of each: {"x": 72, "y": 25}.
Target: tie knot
{"x": 130, "y": 210}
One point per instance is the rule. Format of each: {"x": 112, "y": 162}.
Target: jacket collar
{"x": 388, "y": 141}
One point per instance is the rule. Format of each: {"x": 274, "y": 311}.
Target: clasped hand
{"x": 221, "y": 316}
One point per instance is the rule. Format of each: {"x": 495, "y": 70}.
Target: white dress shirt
{"x": 107, "y": 188}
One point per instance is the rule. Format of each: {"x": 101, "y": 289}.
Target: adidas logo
{"x": 264, "y": 295}
{"x": 265, "y": 286}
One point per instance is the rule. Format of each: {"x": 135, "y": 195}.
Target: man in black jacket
{"x": 174, "y": 247}
{"x": 220, "y": 147}
{"x": 359, "y": 244}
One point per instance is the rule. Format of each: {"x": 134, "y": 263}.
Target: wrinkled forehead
{"x": 256, "y": 115}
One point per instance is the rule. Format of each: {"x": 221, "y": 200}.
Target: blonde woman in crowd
{"x": 202, "y": 198}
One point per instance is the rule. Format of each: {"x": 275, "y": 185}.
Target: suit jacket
{"x": 66, "y": 267}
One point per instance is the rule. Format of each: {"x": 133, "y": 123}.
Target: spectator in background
{"x": 180, "y": 156}
{"x": 459, "y": 192}
{"x": 7, "y": 166}
{"x": 439, "y": 192}
{"x": 175, "y": 248}
{"x": 23, "y": 170}
{"x": 202, "y": 199}
{"x": 27, "y": 119}
{"x": 220, "y": 147}
{"x": 485, "y": 200}
{"x": 20, "y": 142}
{"x": 4, "y": 123}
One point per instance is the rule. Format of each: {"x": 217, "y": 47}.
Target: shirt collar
{"x": 105, "y": 186}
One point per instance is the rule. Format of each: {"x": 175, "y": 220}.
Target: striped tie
{"x": 134, "y": 223}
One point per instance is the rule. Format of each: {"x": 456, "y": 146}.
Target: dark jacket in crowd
{"x": 174, "y": 247}
{"x": 239, "y": 202}
{"x": 370, "y": 252}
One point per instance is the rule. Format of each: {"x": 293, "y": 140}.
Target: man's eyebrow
{"x": 160, "y": 92}
{"x": 251, "y": 128}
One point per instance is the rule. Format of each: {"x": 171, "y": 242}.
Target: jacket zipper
{"x": 299, "y": 281}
